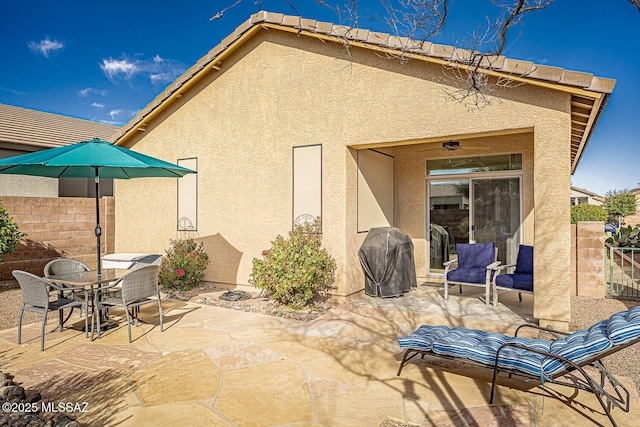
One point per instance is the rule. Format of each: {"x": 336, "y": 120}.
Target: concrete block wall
{"x": 55, "y": 227}
{"x": 588, "y": 258}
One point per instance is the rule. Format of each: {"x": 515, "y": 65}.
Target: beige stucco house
{"x": 581, "y": 195}
{"x": 282, "y": 122}
{"x": 635, "y": 218}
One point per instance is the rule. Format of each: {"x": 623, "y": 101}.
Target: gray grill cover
{"x": 386, "y": 256}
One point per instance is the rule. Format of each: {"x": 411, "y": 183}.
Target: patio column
{"x": 552, "y": 228}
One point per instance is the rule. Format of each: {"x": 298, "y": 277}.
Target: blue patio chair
{"x": 476, "y": 264}
{"x": 537, "y": 359}
{"x": 521, "y": 280}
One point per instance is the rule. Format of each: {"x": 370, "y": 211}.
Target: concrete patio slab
{"x": 223, "y": 367}
{"x": 275, "y": 393}
{"x": 177, "y": 377}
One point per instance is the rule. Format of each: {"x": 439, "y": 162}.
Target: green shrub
{"x": 10, "y": 233}
{"x": 297, "y": 269}
{"x": 586, "y": 212}
{"x": 183, "y": 266}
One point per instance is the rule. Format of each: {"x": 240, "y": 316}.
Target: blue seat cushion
{"x": 468, "y": 275}
{"x": 475, "y": 255}
{"x": 524, "y": 263}
{"x": 516, "y": 281}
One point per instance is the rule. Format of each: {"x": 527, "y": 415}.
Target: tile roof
{"x": 589, "y": 92}
{"x": 445, "y": 190}
{"x": 584, "y": 191}
{"x": 33, "y": 130}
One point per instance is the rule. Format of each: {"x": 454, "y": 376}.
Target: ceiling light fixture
{"x": 451, "y": 145}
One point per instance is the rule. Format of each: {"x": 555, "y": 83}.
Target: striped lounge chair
{"x": 546, "y": 361}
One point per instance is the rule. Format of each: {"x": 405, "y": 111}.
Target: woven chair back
{"x": 34, "y": 289}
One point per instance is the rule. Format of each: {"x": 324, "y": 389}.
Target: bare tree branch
{"x": 512, "y": 16}
{"x": 421, "y": 20}
{"x": 636, "y": 3}
{"x": 416, "y": 19}
{"x": 222, "y": 12}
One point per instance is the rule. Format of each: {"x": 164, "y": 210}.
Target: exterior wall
{"x": 589, "y": 265}
{"x": 28, "y": 186}
{"x": 552, "y": 232}
{"x": 279, "y": 91}
{"x": 23, "y": 185}
{"x": 634, "y": 220}
{"x": 57, "y": 227}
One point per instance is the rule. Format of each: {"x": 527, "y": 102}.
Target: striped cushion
{"x": 481, "y": 347}
{"x": 624, "y": 326}
{"x": 477, "y": 346}
{"x": 423, "y": 337}
{"x": 578, "y": 347}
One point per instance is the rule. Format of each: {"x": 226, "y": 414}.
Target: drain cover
{"x": 235, "y": 295}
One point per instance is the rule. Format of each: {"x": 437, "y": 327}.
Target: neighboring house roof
{"x": 31, "y": 130}
{"x": 586, "y": 192}
{"x": 588, "y": 92}
{"x": 444, "y": 190}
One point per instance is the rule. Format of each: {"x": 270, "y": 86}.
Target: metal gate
{"x": 622, "y": 272}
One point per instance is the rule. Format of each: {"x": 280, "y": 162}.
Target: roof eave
{"x": 579, "y": 85}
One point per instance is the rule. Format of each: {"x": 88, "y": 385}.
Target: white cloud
{"x": 119, "y": 67}
{"x": 89, "y": 91}
{"x": 160, "y": 78}
{"x": 46, "y": 47}
{"x": 13, "y": 91}
{"x": 119, "y": 115}
{"x": 157, "y": 70}
{"x": 115, "y": 113}
{"x": 97, "y": 105}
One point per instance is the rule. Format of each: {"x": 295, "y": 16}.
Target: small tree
{"x": 586, "y": 212}
{"x": 619, "y": 203}
{"x": 10, "y": 234}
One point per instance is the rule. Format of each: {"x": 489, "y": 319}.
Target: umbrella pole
{"x": 98, "y": 229}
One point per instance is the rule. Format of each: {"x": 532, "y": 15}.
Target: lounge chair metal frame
{"x": 606, "y": 399}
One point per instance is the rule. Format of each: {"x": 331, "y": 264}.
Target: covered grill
{"x": 386, "y": 256}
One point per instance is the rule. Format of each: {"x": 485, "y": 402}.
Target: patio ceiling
{"x": 589, "y": 93}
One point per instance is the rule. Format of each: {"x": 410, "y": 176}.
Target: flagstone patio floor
{"x": 220, "y": 367}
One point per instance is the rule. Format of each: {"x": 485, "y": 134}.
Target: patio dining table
{"x": 89, "y": 280}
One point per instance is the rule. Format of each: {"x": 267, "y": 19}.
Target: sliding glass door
{"x": 476, "y": 200}
{"x": 495, "y": 213}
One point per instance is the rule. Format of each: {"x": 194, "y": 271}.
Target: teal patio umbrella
{"x": 89, "y": 159}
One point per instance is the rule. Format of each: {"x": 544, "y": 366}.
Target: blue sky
{"x": 104, "y": 60}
